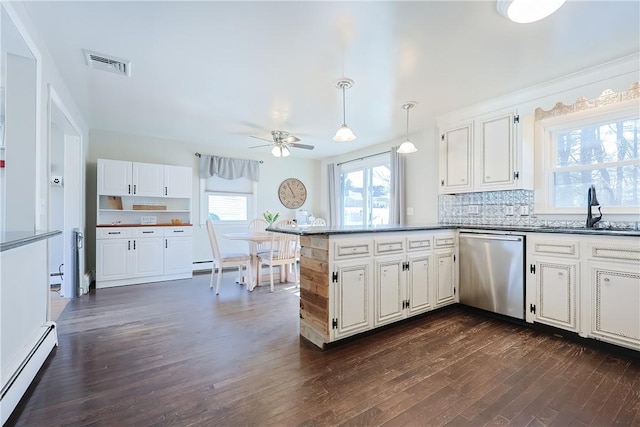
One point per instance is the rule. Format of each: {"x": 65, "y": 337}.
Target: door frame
{"x": 55, "y": 100}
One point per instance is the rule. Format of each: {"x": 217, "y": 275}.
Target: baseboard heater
{"x": 17, "y": 384}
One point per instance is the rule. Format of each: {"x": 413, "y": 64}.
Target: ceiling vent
{"x": 103, "y": 62}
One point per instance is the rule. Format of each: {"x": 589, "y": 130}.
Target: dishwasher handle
{"x": 491, "y": 237}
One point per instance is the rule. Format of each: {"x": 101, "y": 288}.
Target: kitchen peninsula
{"x": 354, "y": 279}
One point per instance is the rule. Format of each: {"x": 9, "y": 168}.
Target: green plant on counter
{"x": 271, "y": 217}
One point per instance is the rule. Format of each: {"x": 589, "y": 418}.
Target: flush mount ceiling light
{"x": 344, "y": 134}
{"x": 280, "y": 150}
{"x": 407, "y": 147}
{"x": 526, "y": 11}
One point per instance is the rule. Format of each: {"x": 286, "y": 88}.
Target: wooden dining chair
{"x": 262, "y": 247}
{"x": 226, "y": 259}
{"x": 283, "y": 254}
{"x": 289, "y": 223}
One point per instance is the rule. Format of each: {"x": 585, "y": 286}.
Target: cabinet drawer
{"x": 148, "y": 232}
{"x": 608, "y": 251}
{"x": 445, "y": 241}
{"x": 389, "y": 246}
{"x": 178, "y": 231}
{"x": 566, "y": 249}
{"x": 113, "y": 233}
{"x": 352, "y": 249}
{"x": 418, "y": 243}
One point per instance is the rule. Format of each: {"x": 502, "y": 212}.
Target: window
{"x": 605, "y": 154}
{"x": 228, "y": 201}
{"x": 592, "y": 142}
{"x": 365, "y": 192}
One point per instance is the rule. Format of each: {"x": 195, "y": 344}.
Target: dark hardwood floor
{"x": 174, "y": 353}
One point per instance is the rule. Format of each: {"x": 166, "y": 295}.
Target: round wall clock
{"x": 292, "y": 193}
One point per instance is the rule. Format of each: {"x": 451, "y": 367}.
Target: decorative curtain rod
{"x": 200, "y": 155}
{"x": 362, "y": 158}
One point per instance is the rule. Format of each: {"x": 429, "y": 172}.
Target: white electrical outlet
{"x": 474, "y": 209}
{"x": 508, "y": 210}
{"x": 409, "y": 211}
{"x": 524, "y": 210}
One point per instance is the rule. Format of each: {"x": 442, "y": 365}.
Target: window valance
{"x": 228, "y": 168}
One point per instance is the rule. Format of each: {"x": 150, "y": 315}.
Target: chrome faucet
{"x": 592, "y": 200}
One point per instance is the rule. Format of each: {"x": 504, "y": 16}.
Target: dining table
{"x": 254, "y": 238}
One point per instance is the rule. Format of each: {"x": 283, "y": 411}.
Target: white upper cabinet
{"x": 456, "y": 154}
{"x": 147, "y": 179}
{"x": 114, "y": 177}
{"x": 486, "y": 153}
{"x": 495, "y": 162}
{"x": 121, "y": 178}
{"x": 177, "y": 181}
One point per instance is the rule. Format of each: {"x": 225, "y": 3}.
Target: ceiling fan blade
{"x": 291, "y": 139}
{"x": 264, "y": 145}
{"x": 264, "y": 139}
{"x": 303, "y": 146}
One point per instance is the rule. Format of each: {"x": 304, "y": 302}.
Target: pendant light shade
{"x": 344, "y": 134}
{"x": 407, "y": 147}
{"x": 526, "y": 11}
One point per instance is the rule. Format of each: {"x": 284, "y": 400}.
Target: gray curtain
{"x": 397, "y": 203}
{"x": 333, "y": 173}
{"x": 229, "y": 168}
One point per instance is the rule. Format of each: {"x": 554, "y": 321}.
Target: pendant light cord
{"x": 344, "y": 108}
{"x": 407, "y": 123}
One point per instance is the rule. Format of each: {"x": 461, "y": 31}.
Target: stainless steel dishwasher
{"x": 492, "y": 272}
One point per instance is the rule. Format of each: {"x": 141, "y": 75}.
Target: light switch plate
{"x": 409, "y": 211}
{"x": 508, "y": 210}
{"x": 524, "y": 210}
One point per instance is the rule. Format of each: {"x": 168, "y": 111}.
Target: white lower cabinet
{"x": 131, "y": 255}
{"x": 613, "y": 272}
{"x": 586, "y": 284}
{"x": 552, "y": 277}
{"x": 446, "y": 270}
{"x": 352, "y": 297}
{"x": 556, "y": 296}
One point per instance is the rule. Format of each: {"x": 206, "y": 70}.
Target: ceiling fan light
{"x": 344, "y": 134}
{"x": 527, "y": 11}
{"x": 276, "y": 151}
{"x": 407, "y": 147}
{"x": 285, "y": 151}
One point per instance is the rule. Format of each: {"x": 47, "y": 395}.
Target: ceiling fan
{"x": 281, "y": 143}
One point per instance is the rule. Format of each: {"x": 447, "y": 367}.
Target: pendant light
{"x": 407, "y": 147}
{"x": 344, "y": 134}
{"x": 526, "y": 11}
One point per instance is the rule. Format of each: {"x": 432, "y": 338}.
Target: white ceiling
{"x": 217, "y": 72}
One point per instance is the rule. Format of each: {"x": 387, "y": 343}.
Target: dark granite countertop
{"x": 311, "y": 230}
{"x": 14, "y": 239}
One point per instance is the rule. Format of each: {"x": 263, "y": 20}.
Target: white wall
{"x": 421, "y": 175}
{"x": 50, "y": 77}
{"x": 118, "y": 146}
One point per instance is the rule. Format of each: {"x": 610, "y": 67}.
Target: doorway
{"x": 65, "y": 202}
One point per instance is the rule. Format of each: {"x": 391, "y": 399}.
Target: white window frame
{"x": 545, "y": 149}
{"x": 369, "y": 163}
{"x": 251, "y": 201}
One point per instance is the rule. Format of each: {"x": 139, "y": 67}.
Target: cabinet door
{"x": 177, "y": 181}
{"x": 113, "y": 259}
{"x": 496, "y": 152}
{"x": 147, "y": 180}
{"x": 148, "y": 257}
{"x": 556, "y": 291}
{"x": 455, "y": 159}
{"x": 352, "y": 298}
{"x": 419, "y": 283}
{"x": 615, "y": 303}
{"x": 178, "y": 255}
{"x": 114, "y": 177}
{"x": 445, "y": 277}
{"x": 389, "y": 286}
